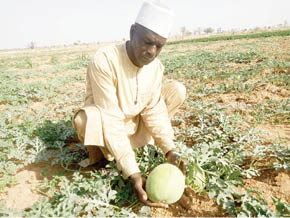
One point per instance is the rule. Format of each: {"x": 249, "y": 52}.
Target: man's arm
{"x": 155, "y": 117}
{"x": 101, "y": 80}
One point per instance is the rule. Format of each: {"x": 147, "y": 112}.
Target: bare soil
{"x": 24, "y": 194}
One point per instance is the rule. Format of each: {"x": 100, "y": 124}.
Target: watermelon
{"x": 165, "y": 184}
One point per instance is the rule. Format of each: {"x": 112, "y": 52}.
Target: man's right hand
{"x": 138, "y": 183}
{"x": 175, "y": 159}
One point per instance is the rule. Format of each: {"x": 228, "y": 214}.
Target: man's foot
{"x": 95, "y": 156}
{"x": 85, "y": 163}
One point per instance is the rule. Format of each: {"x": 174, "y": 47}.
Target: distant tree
{"x": 188, "y": 33}
{"x": 31, "y": 45}
{"x": 208, "y": 30}
{"x": 233, "y": 31}
{"x": 77, "y": 42}
{"x": 197, "y": 31}
{"x": 183, "y": 31}
{"x": 219, "y": 30}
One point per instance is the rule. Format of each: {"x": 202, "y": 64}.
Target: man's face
{"x": 145, "y": 45}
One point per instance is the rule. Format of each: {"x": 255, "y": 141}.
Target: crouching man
{"x": 126, "y": 105}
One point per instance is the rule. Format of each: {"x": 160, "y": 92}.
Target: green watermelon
{"x": 165, "y": 184}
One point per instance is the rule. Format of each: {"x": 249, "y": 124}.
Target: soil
{"x": 272, "y": 184}
{"x": 27, "y": 190}
{"x": 24, "y": 194}
{"x": 238, "y": 102}
{"x": 200, "y": 206}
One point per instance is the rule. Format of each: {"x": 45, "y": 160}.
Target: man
{"x": 126, "y": 106}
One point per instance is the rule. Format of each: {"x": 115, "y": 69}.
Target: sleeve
{"x": 101, "y": 79}
{"x": 155, "y": 117}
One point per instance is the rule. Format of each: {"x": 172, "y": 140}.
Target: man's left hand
{"x": 174, "y": 158}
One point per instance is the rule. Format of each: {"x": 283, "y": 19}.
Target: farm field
{"x": 234, "y": 127}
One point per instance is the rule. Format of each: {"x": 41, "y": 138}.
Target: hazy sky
{"x": 54, "y": 22}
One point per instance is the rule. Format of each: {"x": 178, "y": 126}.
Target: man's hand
{"x": 139, "y": 185}
{"x": 175, "y": 159}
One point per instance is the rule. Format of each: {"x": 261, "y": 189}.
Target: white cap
{"x": 156, "y": 16}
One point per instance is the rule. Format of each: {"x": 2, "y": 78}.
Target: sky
{"x": 59, "y": 22}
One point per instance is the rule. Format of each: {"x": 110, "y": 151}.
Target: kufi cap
{"x": 156, "y": 16}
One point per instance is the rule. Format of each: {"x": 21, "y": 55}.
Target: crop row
{"x": 233, "y": 37}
